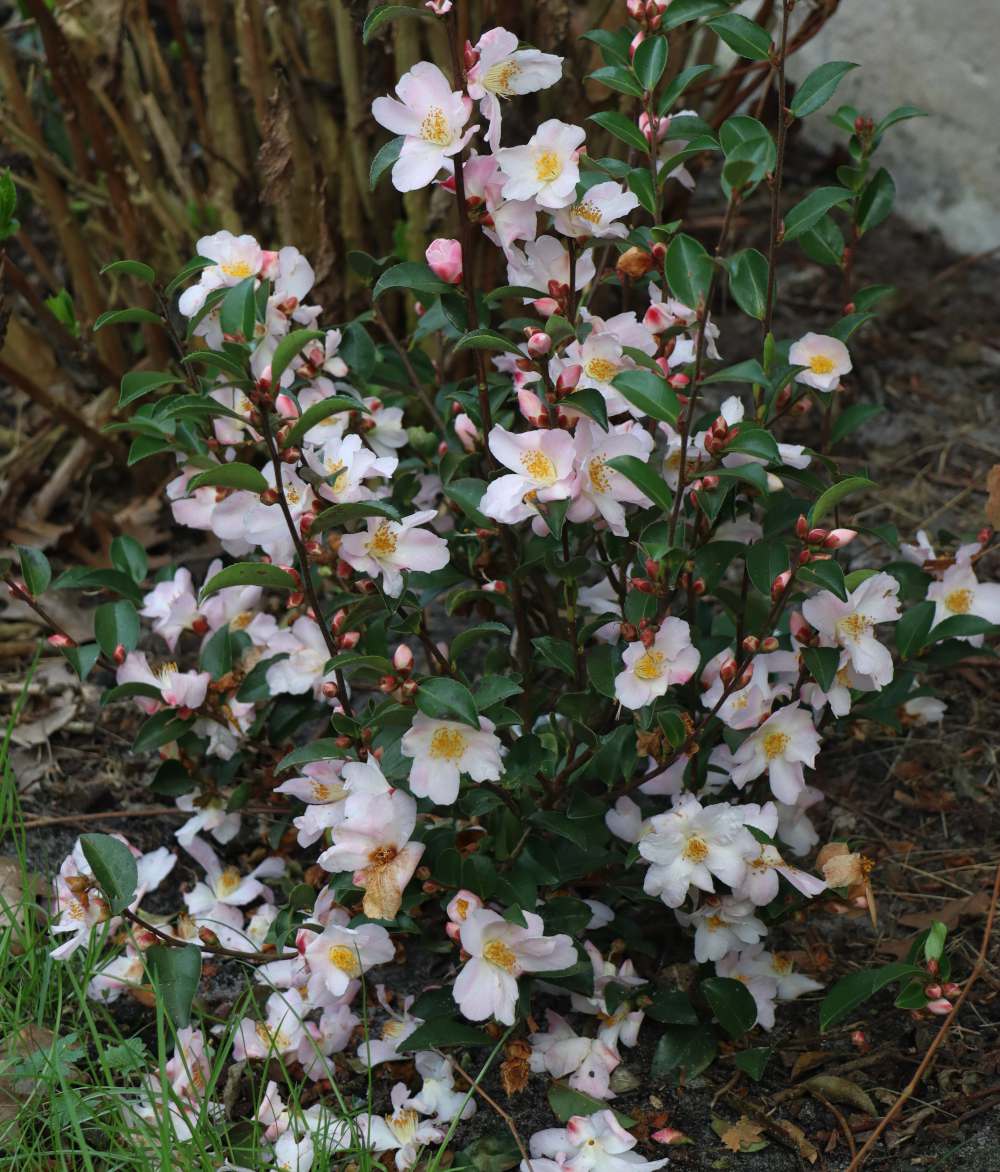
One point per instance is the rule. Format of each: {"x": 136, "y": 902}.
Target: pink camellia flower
{"x": 541, "y": 464}
{"x": 172, "y": 606}
{"x": 561, "y": 1052}
{"x": 960, "y": 592}
{"x": 444, "y": 256}
{"x": 373, "y": 840}
{"x": 225, "y": 885}
{"x": 439, "y": 7}
{"x": 431, "y": 116}
{"x": 782, "y": 745}
{"x": 851, "y": 624}
{"x": 457, "y": 910}
{"x": 588, "y": 1143}
{"x": 390, "y": 547}
{"x": 339, "y": 955}
{"x": 235, "y": 257}
{"x": 502, "y": 70}
{"x": 544, "y": 262}
{"x": 691, "y": 844}
{"x": 467, "y": 432}
{"x": 395, "y": 1031}
{"x": 599, "y": 213}
{"x": 178, "y": 689}
{"x": 442, "y": 750}
{"x": 600, "y": 491}
{"x": 499, "y": 952}
{"x": 649, "y": 671}
{"x": 304, "y": 667}
{"x": 546, "y": 168}
{"x": 824, "y": 358}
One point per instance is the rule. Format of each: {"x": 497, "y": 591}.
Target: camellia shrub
{"x": 531, "y": 623}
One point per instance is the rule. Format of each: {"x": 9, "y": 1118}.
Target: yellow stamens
{"x": 821, "y": 364}
{"x": 548, "y": 166}
{"x": 597, "y": 470}
{"x": 696, "y": 850}
{"x": 237, "y": 268}
{"x": 447, "y": 744}
{"x": 498, "y": 78}
{"x": 383, "y": 541}
{"x": 229, "y": 880}
{"x": 434, "y": 128}
{"x": 853, "y": 627}
{"x": 496, "y": 952}
{"x": 345, "y": 959}
{"x": 650, "y": 666}
{"x": 959, "y": 601}
{"x": 587, "y": 211}
{"x": 538, "y": 465}
{"x": 775, "y": 744}
{"x": 601, "y": 370}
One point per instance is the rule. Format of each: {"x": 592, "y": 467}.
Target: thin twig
{"x": 939, "y": 1037}
{"x": 214, "y": 949}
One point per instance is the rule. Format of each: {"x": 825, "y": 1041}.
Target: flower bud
{"x": 636, "y": 262}
{"x": 444, "y": 258}
{"x": 643, "y": 585}
{"x": 466, "y": 431}
{"x": 669, "y": 1136}
{"x": 408, "y": 689}
{"x": 805, "y": 557}
{"x": 291, "y": 456}
{"x": 801, "y": 527}
{"x": 750, "y": 644}
{"x": 932, "y": 992}
{"x": 349, "y": 640}
{"x": 568, "y": 379}
{"x": 816, "y": 536}
{"x": 636, "y": 42}
{"x": 286, "y": 407}
{"x": 769, "y": 644}
{"x": 388, "y": 684}
{"x": 495, "y": 587}
{"x": 951, "y": 989}
{"x": 119, "y": 655}
{"x": 679, "y": 381}
{"x": 698, "y": 586}
{"x": 860, "y": 1041}
{"x": 539, "y": 343}
{"x": 269, "y": 496}
{"x": 838, "y": 538}
{"x": 330, "y": 689}
{"x": 780, "y": 584}
{"x": 60, "y": 640}
{"x": 402, "y": 659}
{"x": 636, "y": 9}
{"x": 442, "y": 448}
{"x": 546, "y": 306}
{"x": 942, "y": 1007}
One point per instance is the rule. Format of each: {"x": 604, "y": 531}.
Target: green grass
{"x": 73, "y": 1077}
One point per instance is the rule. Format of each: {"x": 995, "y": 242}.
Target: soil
{"x": 922, "y": 803}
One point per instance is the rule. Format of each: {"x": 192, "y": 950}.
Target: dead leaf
{"x": 841, "y": 1090}
{"x": 744, "y": 1136}
{"x": 798, "y": 1137}
{"x": 993, "y": 500}
{"x": 807, "y": 1061}
{"x": 39, "y": 731}
{"x": 17, "y": 888}
{"x": 949, "y": 912}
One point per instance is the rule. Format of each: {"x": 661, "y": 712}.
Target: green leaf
{"x": 119, "y": 317}
{"x": 755, "y": 441}
{"x": 320, "y": 411}
{"x": 851, "y": 991}
{"x": 650, "y": 392}
{"x": 589, "y": 402}
{"x": 323, "y": 749}
{"x": 640, "y": 183}
{"x": 753, "y": 1061}
{"x": 824, "y": 243}
{"x": 565, "y": 1103}
{"x": 822, "y": 663}
{"x": 216, "y": 655}
{"x": 445, "y": 699}
{"x": 234, "y": 475}
{"x": 742, "y": 36}
{"x": 617, "y": 77}
{"x": 853, "y": 417}
{"x": 137, "y": 383}
{"x": 645, "y": 479}
{"x": 444, "y": 1031}
{"x": 81, "y": 659}
{"x": 622, "y": 128}
{"x": 195, "y": 265}
{"x": 131, "y": 268}
{"x": 819, "y": 87}
{"x": 555, "y": 653}
{"x": 249, "y": 574}
{"x": 672, "y": 1007}
{"x": 116, "y": 623}
{"x": 8, "y": 205}
{"x": 827, "y": 575}
{"x": 900, "y": 114}
{"x": 913, "y": 627}
{"x": 472, "y": 635}
{"x": 876, "y": 201}
{"x": 175, "y": 973}
{"x": 288, "y": 348}
{"x": 82, "y": 578}
{"x": 748, "y": 281}
{"x": 35, "y": 569}
{"x": 750, "y": 371}
{"x": 238, "y": 310}
{"x": 386, "y": 13}
{"x": 114, "y": 869}
{"x": 732, "y": 1004}
{"x": 686, "y": 1050}
{"x": 681, "y": 11}
{"x": 649, "y": 61}
{"x": 467, "y": 494}
{"x": 765, "y": 561}
{"x": 412, "y": 275}
{"x": 961, "y": 626}
{"x": 809, "y": 211}
{"x": 128, "y": 557}
{"x": 159, "y": 730}
{"x": 487, "y": 340}
{"x": 385, "y": 158}
{"x": 835, "y": 494}
{"x": 688, "y": 270}
{"x": 353, "y": 511}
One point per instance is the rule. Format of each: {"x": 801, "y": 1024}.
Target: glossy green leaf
{"x": 835, "y": 494}
{"x": 116, "y": 623}
{"x": 287, "y": 349}
{"x": 742, "y": 35}
{"x": 622, "y": 128}
{"x": 645, "y": 479}
{"x": 119, "y": 317}
{"x": 414, "y": 276}
{"x": 385, "y": 13}
{"x": 385, "y": 158}
{"x": 238, "y": 310}
{"x": 748, "y": 281}
{"x": 808, "y": 212}
{"x": 249, "y": 574}
{"x": 853, "y": 990}
{"x": 114, "y": 868}
{"x": 649, "y": 61}
{"x": 131, "y": 268}
{"x": 731, "y": 1002}
{"x": 35, "y": 569}
{"x": 137, "y": 383}
{"x": 876, "y": 201}
{"x": 234, "y": 475}
{"x": 174, "y": 974}
{"x": 819, "y": 87}
{"x": 689, "y": 270}
{"x": 650, "y": 392}
{"x": 446, "y": 699}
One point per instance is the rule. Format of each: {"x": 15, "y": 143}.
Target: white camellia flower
{"x": 373, "y": 840}
{"x": 442, "y": 750}
{"x": 172, "y": 606}
{"x": 825, "y": 359}
{"x": 782, "y": 745}
{"x": 850, "y": 624}
{"x": 339, "y": 955}
{"x": 431, "y": 115}
{"x": 960, "y": 592}
{"x": 236, "y": 258}
{"x": 541, "y": 463}
{"x": 545, "y": 168}
{"x": 588, "y": 1143}
{"x": 760, "y": 884}
{"x": 560, "y": 1051}
{"x": 691, "y": 845}
{"x": 600, "y": 491}
{"x": 438, "y": 1096}
{"x": 178, "y": 689}
{"x": 622, "y": 1026}
{"x": 395, "y": 1030}
{"x": 670, "y": 659}
{"x": 499, "y": 952}
{"x": 402, "y": 1132}
{"x": 504, "y": 71}
{"x": 390, "y": 547}
{"x": 209, "y": 815}
{"x": 306, "y": 656}
{"x": 279, "y": 1034}
{"x": 722, "y": 925}
{"x": 599, "y": 213}
{"x": 545, "y": 261}
{"x": 225, "y": 885}
{"x": 345, "y": 463}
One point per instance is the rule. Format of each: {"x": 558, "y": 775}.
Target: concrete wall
{"x": 940, "y": 55}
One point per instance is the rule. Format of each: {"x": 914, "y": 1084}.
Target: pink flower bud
{"x": 495, "y": 587}
{"x": 656, "y": 318}
{"x": 439, "y": 7}
{"x": 286, "y": 407}
{"x": 330, "y": 690}
{"x": 636, "y": 42}
{"x": 119, "y": 655}
{"x": 349, "y": 640}
{"x": 942, "y": 1006}
{"x": 932, "y": 991}
{"x": 669, "y": 1136}
{"x": 636, "y": 9}
{"x": 466, "y": 431}
{"x": 838, "y": 538}
{"x": 799, "y": 627}
{"x": 649, "y": 129}
{"x": 769, "y": 644}
{"x": 402, "y": 659}
{"x": 268, "y": 264}
{"x": 546, "y": 306}
{"x": 569, "y": 378}
{"x": 539, "y": 343}
{"x": 444, "y": 257}
{"x": 679, "y": 381}
{"x": 780, "y": 584}
{"x": 530, "y": 406}
{"x": 60, "y": 641}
